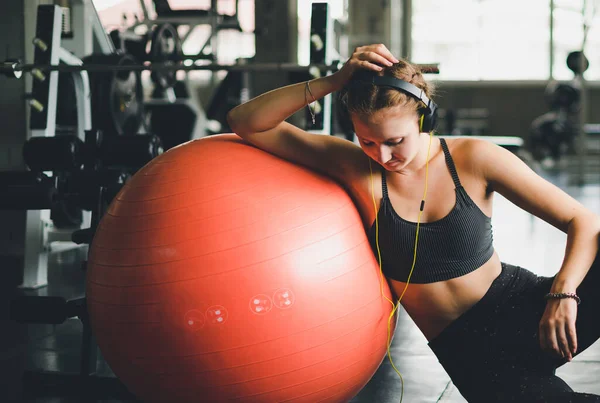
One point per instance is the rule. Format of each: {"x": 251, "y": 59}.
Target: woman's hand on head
{"x": 370, "y": 57}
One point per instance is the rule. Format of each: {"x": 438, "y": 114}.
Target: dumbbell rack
{"x": 87, "y": 172}
{"x": 93, "y": 171}
{"x": 56, "y": 310}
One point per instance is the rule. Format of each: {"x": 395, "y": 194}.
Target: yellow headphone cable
{"x": 396, "y": 305}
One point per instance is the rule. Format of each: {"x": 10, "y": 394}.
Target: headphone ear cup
{"x": 428, "y": 122}
{"x": 424, "y": 123}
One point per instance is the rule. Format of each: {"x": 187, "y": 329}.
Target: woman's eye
{"x": 368, "y": 143}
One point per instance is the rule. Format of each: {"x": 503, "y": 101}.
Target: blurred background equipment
{"x": 553, "y": 134}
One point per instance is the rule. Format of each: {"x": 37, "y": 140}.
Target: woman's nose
{"x": 385, "y": 154}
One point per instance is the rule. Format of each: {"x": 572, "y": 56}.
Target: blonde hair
{"x": 364, "y": 98}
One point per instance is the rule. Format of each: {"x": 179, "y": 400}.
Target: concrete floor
{"x": 519, "y": 239}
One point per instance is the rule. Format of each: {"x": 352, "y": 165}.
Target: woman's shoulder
{"x": 465, "y": 145}
{"x": 471, "y": 151}
{"x": 472, "y": 158}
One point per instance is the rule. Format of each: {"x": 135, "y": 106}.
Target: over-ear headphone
{"x": 429, "y": 109}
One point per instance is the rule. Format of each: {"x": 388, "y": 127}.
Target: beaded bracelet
{"x": 308, "y": 103}
{"x": 561, "y": 295}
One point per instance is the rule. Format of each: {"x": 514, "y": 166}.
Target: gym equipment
{"x": 14, "y": 69}
{"x": 192, "y": 18}
{"x": 232, "y": 91}
{"x": 85, "y": 175}
{"x": 75, "y": 119}
{"x": 577, "y": 62}
{"x": 563, "y": 96}
{"x": 44, "y": 92}
{"x": 117, "y": 96}
{"x": 45, "y": 310}
{"x": 82, "y": 30}
{"x": 175, "y": 123}
{"x": 66, "y": 104}
{"x": 321, "y": 51}
{"x": 72, "y": 114}
{"x": 552, "y": 135}
{"x": 86, "y": 383}
{"x": 164, "y": 47}
{"x": 78, "y": 169}
{"x": 223, "y": 272}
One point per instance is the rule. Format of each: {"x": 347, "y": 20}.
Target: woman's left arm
{"x": 508, "y": 175}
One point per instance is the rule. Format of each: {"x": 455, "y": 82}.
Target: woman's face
{"x": 390, "y": 136}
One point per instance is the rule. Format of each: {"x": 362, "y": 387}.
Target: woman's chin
{"x": 393, "y": 166}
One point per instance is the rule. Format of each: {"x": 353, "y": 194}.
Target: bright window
{"x": 569, "y": 19}
{"x": 483, "y": 39}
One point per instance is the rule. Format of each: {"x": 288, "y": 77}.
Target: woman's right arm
{"x": 261, "y": 121}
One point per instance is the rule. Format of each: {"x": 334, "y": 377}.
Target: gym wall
{"x": 512, "y": 105}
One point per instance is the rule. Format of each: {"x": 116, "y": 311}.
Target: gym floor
{"x": 535, "y": 245}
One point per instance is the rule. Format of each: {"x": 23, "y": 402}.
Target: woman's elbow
{"x": 233, "y": 121}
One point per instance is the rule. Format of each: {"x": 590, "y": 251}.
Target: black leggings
{"x": 492, "y": 352}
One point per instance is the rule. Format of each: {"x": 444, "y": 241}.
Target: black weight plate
{"x": 165, "y": 48}
{"x": 117, "y": 96}
{"x": 125, "y": 102}
{"x": 577, "y": 62}
{"x": 66, "y": 215}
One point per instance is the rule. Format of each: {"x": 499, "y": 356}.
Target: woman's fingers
{"x": 371, "y": 66}
{"x": 375, "y": 57}
{"x": 571, "y": 332}
{"x": 542, "y": 336}
{"x": 548, "y": 339}
{"x": 563, "y": 343}
{"x": 370, "y": 57}
{"x": 382, "y": 50}
{"x": 375, "y": 53}
{"x": 557, "y": 330}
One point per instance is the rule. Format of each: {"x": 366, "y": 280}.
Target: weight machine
{"x": 117, "y": 103}
{"x": 79, "y": 168}
{"x": 43, "y": 100}
{"x": 192, "y": 18}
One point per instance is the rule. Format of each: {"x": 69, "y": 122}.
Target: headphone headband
{"x": 404, "y": 86}
{"x": 430, "y": 107}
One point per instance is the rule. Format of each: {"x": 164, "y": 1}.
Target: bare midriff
{"x": 434, "y": 306}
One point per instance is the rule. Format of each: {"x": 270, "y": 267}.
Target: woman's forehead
{"x": 386, "y": 129}
{"x": 386, "y": 114}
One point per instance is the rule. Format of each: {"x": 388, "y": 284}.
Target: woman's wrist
{"x": 562, "y": 295}
{"x": 563, "y": 286}
{"x": 337, "y": 80}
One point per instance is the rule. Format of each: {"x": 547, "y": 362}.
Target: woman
{"x": 499, "y": 330}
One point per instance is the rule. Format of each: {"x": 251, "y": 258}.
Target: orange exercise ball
{"x": 221, "y": 273}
